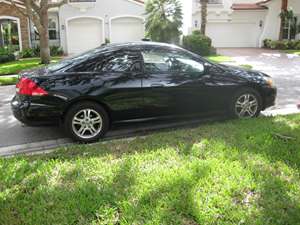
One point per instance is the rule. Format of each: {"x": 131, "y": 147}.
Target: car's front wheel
{"x": 86, "y": 122}
{"x": 246, "y": 103}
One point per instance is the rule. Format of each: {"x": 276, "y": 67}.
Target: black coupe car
{"x": 131, "y": 81}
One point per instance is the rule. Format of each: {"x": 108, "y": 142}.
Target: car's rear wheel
{"x": 246, "y": 103}
{"x": 86, "y": 122}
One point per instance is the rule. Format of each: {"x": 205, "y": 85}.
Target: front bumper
{"x": 269, "y": 97}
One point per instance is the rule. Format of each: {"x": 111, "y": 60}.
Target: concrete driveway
{"x": 284, "y": 68}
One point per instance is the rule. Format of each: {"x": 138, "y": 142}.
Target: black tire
{"x": 77, "y": 108}
{"x": 238, "y": 94}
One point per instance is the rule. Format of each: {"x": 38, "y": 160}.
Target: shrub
{"x": 56, "y": 51}
{"x": 297, "y": 45}
{"x": 282, "y": 45}
{"x": 35, "y": 51}
{"x": 6, "y": 55}
{"x": 27, "y": 53}
{"x": 197, "y": 43}
{"x": 267, "y": 43}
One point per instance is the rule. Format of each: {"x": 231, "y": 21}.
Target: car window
{"x": 110, "y": 62}
{"x": 120, "y": 62}
{"x": 157, "y": 61}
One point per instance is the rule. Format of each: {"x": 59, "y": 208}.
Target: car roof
{"x": 136, "y": 45}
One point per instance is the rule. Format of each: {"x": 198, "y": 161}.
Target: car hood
{"x": 248, "y": 74}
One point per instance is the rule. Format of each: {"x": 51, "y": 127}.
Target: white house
{"x": 241, "y": 23}
{"x": 77, "y": 26}
{"x": 85, "y": 24}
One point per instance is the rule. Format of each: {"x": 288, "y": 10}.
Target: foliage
{"x": 282, "y": 45}
{"x": 267, "y": 43}
{"x": 164, "y": 20}
{"x": 35, "y": 52}
{"x": 27, "y": 53}
{"x": 6, "y": 55}
{"x": 234, "y": 172}
{"x": 197, "y": 43}
{"x": 56, "y": 51}
{"x": 22, "y": 64}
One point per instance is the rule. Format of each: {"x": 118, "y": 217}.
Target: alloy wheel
{"x": 87, "y": 123}
{"x": 246, "y": 106}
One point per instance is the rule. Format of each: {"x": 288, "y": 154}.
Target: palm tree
{"x": 284, "y": 9}
{"x": 164, "y": 20}
{"x": 203, "y": 16}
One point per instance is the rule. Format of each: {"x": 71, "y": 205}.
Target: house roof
{"x": 248, "y": 6}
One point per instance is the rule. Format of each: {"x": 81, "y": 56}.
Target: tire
{"x": 86, "y": 122}
{"x": 252, "y": 110}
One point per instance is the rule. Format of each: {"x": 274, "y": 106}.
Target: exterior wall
{"x": 9, "y": 10}
{"x": 256, "y": 18}
{"x": 272, "y": 22}
{"x": 104, "y": 9}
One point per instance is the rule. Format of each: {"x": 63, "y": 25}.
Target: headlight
{"x": 269, "y": 82}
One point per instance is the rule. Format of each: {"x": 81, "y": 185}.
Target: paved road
{"x": 285, "y": 70}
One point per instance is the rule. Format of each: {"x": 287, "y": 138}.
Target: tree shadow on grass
{"x": 78, "y": 198}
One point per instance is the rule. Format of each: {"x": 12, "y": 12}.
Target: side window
{"x": 112, "y": 62}
{"x": 157, "y": 61}
{"x": 120, "y": 62}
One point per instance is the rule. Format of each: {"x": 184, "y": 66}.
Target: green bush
{"x": 297, "y": 45}
{"x": 35, "y": 51}
{"x": 282, "y": 45}
{"x": 197, "y": 43}
{"x": 27, "y": 53}
{"x": 56, "y": 51}
{"x": 6, "y": 55}
{"x": 267, "y": 43}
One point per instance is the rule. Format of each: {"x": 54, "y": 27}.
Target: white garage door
{"x": 126, "y": 29}
{"x": 233, "y": 34}
{"x": 84, "y": 34}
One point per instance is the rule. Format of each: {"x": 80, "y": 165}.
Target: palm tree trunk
{"x": 284, "y": 7}
{"x": 203, "y": 16}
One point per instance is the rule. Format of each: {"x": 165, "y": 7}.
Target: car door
{"x": 174, "y": 83}
{"x": 122, "y": 73}
{"x": 114, "y": 79}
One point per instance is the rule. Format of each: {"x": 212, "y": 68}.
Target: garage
{"x": 84, "y": 34}
{"x": 124, "y": 29}
{"x": 233, "y": 34}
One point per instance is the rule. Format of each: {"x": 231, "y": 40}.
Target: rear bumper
{"x": 32, "y": 113}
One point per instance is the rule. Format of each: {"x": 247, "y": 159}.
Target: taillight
{"x": 27, "y": 86}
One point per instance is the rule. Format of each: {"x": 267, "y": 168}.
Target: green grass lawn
{"x": 297, "y": 52}
{"x": 219, "y": 58}
{"x": 22, "y": 64}
{"x": 8, "y": 80}
{"x": 224, "y": 59}
{"x": 234, "y": 172}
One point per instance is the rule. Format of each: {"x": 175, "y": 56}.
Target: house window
{"x": 196, "y": 23}
{"x": 52, "y": 29}
{"x": 215, "y": 1}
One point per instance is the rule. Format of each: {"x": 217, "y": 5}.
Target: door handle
{"x": 157, "y": 85}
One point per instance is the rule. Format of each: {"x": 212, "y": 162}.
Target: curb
{"x": 127, "y": 134}
{"x": 50, "y": 145}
